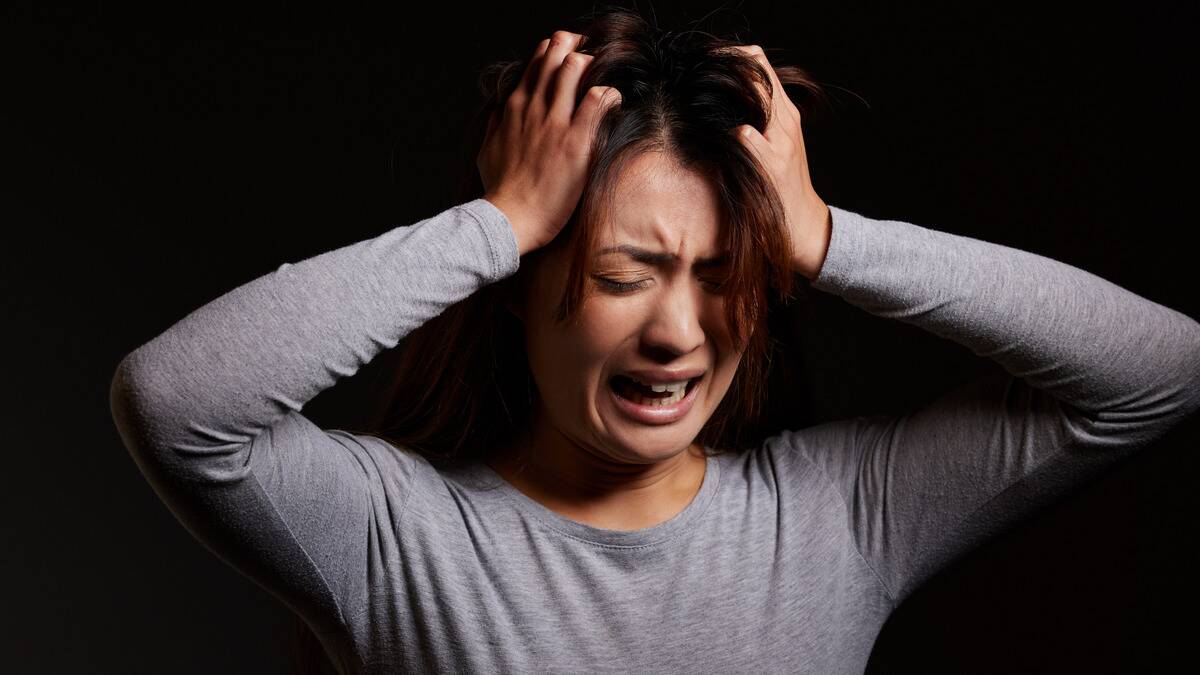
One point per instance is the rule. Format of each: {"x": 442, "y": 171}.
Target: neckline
{"x": 646, "y": 536}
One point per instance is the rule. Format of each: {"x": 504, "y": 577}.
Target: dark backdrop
{"x": 157, "y": 160}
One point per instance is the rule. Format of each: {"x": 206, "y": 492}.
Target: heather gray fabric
{"x": 789, "y": 559}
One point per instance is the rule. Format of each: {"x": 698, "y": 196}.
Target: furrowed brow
{"x": 663, "y": 259}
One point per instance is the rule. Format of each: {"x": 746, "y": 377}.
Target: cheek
{"x": 567, "y": 358}
{"x": 728, "y": 368}
{"x": 717, "y": 326}
{"x": 604, "y": 326}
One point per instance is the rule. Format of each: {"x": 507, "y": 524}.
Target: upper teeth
{"x": 674, "y": 387}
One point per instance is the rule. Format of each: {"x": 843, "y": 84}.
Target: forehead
{"x": 663, "y": 207}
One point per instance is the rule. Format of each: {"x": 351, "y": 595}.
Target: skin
{"x": 780, "y": 150}
{"x": 585, "y": 457}
{"x": 582, "y": 457}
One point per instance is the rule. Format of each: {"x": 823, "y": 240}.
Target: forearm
{"x": 524, "y": 226}
{"x": 228, "y": 369}
{"x": 1088, "y": 341}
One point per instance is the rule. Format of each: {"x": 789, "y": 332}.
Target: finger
{"x": 755, "y": 142}
{"x": 561, "y": 44}
{"x": 595, "y": 105}
{"x": 567, "y": 85}
{"x": 779, "y": 101}
{"x": 529, "y": 77}
{"x": 755, "y": 52}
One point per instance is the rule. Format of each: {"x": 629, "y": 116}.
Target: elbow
{"x": 1182, "y": 387}
{"x": 119, "y": 384}
{"x": 130, "y": 405}
{"x": 130, "y": 395}
{"x": 142, "y": 414}
{"x": 161, "y": 429}
{"x": 1188, "y": 390}
{"x": 120, "y": 396}
{"x": 1160, "y": 403}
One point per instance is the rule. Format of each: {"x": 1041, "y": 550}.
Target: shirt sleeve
{"x": 1092, "y": 373}
{"x": 210, "y": 408}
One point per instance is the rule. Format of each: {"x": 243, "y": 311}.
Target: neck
{"x": 587, "y": 486}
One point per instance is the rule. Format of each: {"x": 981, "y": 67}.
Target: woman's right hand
{"x": 536, "y": 152}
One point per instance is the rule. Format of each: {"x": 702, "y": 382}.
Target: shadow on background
{"x": 158, "y": 160}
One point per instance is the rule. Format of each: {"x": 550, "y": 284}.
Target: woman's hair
{"x": 462, "y": 383}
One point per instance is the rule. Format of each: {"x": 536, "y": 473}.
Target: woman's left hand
{"x": 780, "y": 149}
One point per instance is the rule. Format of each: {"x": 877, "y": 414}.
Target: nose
{"x": 675, "y": 327}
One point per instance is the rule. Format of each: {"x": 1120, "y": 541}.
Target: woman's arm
{"x": 1093, "y": 373}
{"x": 210, "y": 408}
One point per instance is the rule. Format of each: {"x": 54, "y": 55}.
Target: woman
{"x": 630, "y": 241}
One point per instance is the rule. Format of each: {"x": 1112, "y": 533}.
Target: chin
{"x": 648, "y": 446}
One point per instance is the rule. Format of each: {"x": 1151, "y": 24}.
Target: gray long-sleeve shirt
{"x": 789, "y": 559}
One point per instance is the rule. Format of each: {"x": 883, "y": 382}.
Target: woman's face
{"x": 672, "y": 319}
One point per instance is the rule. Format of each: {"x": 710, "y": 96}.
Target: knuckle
{"x": 578, "y": 145}
{"x": 575, "y": 59}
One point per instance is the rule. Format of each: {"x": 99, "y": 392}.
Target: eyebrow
{"x": 654, "y": 258}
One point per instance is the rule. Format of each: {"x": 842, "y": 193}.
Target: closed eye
{"x": 621, "y": 286}
{"x": 629, "y": 286}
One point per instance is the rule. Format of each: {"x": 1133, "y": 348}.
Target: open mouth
{"x": 641, "y": 394}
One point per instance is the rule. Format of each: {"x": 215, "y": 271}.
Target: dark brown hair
{"x": 462, "y": 382}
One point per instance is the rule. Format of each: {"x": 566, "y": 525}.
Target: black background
{"x": 157, "y": 159}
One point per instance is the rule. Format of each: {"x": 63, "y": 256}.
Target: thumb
{"x": 596, "y": 104}
{"x": 751, "y": 139}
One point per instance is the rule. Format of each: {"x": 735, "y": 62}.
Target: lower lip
{"x": 658, "y": 414}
